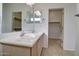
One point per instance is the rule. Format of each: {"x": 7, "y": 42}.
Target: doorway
{"x": 55, "y": 31}
{"x": 17, "y": 21}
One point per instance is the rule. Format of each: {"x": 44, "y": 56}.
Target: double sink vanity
{"x": 30, "y": 44}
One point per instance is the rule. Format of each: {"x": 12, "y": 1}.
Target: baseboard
{"x": 54, "y": 38}
{"x": 69, "y": 49}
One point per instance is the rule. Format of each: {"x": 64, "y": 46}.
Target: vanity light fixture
{"x": 38, "y": 13}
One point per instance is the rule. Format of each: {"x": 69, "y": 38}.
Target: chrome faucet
{"x": 22, "y": 34}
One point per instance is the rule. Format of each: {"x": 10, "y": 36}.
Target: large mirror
{"x": 35, "y": 16}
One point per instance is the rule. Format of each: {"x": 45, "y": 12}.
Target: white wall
{"x": 0, "y": 26}
{"x": 77, "y": 31}
{"x": 0, "y": 16}
{"x": 69, "y": 26}
{"x": 77, "y": 34}
{"x": 6, "y": 23}
{"x": 77, "y": 8}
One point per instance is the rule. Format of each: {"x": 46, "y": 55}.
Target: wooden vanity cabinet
{"x": 12, "y": 50}
{"x": 39, "y": 47}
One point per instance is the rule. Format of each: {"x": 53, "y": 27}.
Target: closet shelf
{"x": 18, "y": 19}
{"x": 54, "y": 22}
{"x": 17, "y": 29}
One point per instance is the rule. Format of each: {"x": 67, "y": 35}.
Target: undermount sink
{"x": 27, "y": 36}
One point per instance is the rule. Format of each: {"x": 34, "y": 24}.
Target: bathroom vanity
{"x": 27, "y": 45}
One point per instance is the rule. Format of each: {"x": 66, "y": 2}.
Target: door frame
{"x": 63, "y": 22}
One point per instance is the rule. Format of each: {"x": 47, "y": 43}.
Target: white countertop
{"x": 28, "y": 40}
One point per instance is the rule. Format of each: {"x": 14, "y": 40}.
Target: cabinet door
{"x": 37, "y": 48}
{"x": 34, "y": 50}
{"x": 40, "y": 45}
{"x": 77, "y": 40}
